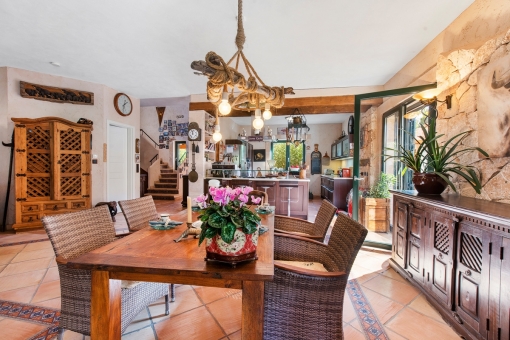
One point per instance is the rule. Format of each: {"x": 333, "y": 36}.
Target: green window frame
{"x": 288, "y": 153}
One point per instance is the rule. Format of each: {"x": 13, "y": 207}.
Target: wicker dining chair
{"x": 316, "y": 230}
{"x": 256, "y": 193}
{"x": 138, "y": 212}
{"x": 308, "y": 304}
{"x": 77, "y": 233}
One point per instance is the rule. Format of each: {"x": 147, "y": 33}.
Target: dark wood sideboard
{"x": 456, "y": 250}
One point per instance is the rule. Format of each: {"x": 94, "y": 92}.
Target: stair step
{"x": 168, "y": 171}
{"x": 169, "y": 176}
{"x": 168, "y": 180}
{"x": 163, "y": 191}
{"x": 165, "y": 185}
{"x": 162, "y": 196}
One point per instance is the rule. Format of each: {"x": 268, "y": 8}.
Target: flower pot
{"x": 242, "y": 248}
{"x": 429, "y": 184}
{"x": 375, "y": 214}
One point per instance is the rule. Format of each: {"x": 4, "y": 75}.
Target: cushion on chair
{"x": 305, "y": 265}
{"x": 129, "y": 284}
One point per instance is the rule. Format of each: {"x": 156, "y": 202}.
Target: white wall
{"x": 13, "y": 105}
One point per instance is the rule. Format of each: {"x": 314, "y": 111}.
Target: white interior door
{"x": 117, "y": 163}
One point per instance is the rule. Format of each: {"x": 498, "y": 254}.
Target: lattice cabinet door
{"x": 472, "y": 276}
{"x": 32, "y": 162}
{"x": 71, "y": 172}
{"x": 440, "y": 250}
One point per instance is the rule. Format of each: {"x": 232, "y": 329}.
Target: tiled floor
{"x": 28, "y": 274}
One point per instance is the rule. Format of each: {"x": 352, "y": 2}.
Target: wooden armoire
{"x": 52, "y": 169}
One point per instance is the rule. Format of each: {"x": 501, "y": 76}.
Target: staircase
{"x": 167, "y": 187}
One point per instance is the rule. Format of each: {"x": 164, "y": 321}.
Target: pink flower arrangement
{"x": 223, "y": 196}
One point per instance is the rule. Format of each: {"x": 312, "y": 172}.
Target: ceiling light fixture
{"x": 217, "y": 134}
{"x": 250, "y": 92}
{"x": 428, "y": 97}
{"x": 297, "y": 130}
{"x": 267, "y": 113}
{"x": 258, "y": 123}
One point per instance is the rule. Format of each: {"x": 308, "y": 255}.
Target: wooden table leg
{"x": 253, "y": 310}
{"x": 105, "y": 307}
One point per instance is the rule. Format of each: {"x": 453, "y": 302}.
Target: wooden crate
{"x": 375, "y": 214}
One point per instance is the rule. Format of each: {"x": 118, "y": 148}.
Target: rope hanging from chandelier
{"x": 253, "y": 90}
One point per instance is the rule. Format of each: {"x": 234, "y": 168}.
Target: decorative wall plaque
{"x": 316, "y": 160}
{"x": 55, "y": 94}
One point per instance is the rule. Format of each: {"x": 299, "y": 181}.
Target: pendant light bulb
{"x": 217, "y": 134}
{"x": 258, "y": 123}
{"x": 224, "y": 106}
{"x": 267, "y": 113}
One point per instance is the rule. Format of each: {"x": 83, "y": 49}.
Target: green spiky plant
{"x": 381, "y": 189}
{"x": 438, "y": 158}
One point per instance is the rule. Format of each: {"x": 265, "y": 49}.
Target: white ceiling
{"x": 310, "y": 119}
{"x": 145, "y": 48}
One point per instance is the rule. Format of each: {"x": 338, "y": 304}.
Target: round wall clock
{"x": 123, "y": 104}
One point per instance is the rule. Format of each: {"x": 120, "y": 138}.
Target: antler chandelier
{"x": 252, "y": 93}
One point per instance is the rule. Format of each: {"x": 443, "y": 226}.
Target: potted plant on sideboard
{"x": 433, "y": 163}
{"x": 375, "y": 206}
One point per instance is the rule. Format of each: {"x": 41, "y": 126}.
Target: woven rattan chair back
{"x": 346, "y": 239}
{"x": 139, "y": 212}
{"x": 77, "y": 233}
{"x": 324, "y": 217}
{"x": 257, "y": 193}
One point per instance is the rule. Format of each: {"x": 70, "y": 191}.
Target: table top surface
{"x": 150, "y": 251}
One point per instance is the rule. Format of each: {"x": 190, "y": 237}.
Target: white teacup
{"x": 165, "y": 217}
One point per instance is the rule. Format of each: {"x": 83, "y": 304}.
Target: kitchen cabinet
{"x": 335, "y": 190}
{"x": 340, "y": 148}
{"x": 298, "y": 196}
{"x": 455, "y": 250}
{"x": 269, "y": 187}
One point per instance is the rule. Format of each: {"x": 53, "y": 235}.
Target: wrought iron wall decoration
{"x": 55, "y": 94}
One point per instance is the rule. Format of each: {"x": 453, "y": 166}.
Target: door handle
{"x": 356, "y": 178}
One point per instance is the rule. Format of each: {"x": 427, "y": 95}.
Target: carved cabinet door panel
{"x": 400, "y": 234}
{"x": 417, "y": 229}
{"x": 440, "y": 251}
{"x": 472, "y": 276}
{"x": 499, "y": 297}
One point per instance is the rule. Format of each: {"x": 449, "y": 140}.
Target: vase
{"x": 429, "y": 184}
{"x": 242, "y": 248}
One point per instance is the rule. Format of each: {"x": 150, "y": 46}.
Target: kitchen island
{"x": 278, "y": 192}
{"x": 335, "y": 189}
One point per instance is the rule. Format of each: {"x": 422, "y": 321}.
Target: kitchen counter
{"x": 335, "y": 177}
{"x": 260, "y": 179}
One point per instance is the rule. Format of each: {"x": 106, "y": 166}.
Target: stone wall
{"x": 369, "y": 155}
{"x": 466, "y": 75}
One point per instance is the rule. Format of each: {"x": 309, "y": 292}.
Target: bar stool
{"x": 289, "y": 186}
{"x": 214, "y": 183}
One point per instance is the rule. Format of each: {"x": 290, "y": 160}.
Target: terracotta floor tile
{"x": 51, "y": 275}
{"x": 143, "y": 334}
{"x": 18, "y": 330}
{"x": 210, "y": 294}
{"x": 367, "y": 277}
{"x": 140, "y": 321}
{"x": 358, "y": 272}
{"x": 228, "y": 312}
{"x": 384, "y": 307}
{"x": 47, "y": 291}
{"x": 23, "y": 295}
{"x": 413, "y": 325}
{"x": 25, "y": 266}
{"x": 420, "y": 304}
{"x": 6, "y": 238}
{"x": 392, "y": 335}
{"x": 398, "y": 291}
{"x": 53, "y": 303}
{"x": 6, "y": 258}
{"x": 350, "y": 333}
{"x": 195, "y": 324}
{"x": 235, "y": 336}
{"x": 38, "y": 246}
{"x": 2, "y": 268}
{"x": 53, "y": 263}
{"x": 349, "y": 311}
{"x": 32, "y": 255}
{"x": 356, "y": 324}
{"x": 376, "y": 264}
{"x": 391, "y": 273}
{"x": 21, "y": 280}
{"x": 12, "y": 249}
{"x": 185, "y": 299}
{"x": 70, "y": 335}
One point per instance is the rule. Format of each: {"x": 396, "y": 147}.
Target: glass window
{"x": 286, "y": 156}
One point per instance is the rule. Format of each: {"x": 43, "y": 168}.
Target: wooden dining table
{"x": 152, "y": 256}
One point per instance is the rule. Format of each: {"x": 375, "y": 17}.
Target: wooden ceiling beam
{"x": 307, "y": 105}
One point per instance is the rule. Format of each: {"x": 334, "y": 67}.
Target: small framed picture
{"x": 259, "y": 155}
{"x": 137, "y": 158}
{"x": 160, "y": 129}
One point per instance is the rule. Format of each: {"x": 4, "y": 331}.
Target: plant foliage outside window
{"x": 381, "y": 189}
{"x": 280, "y": 155}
